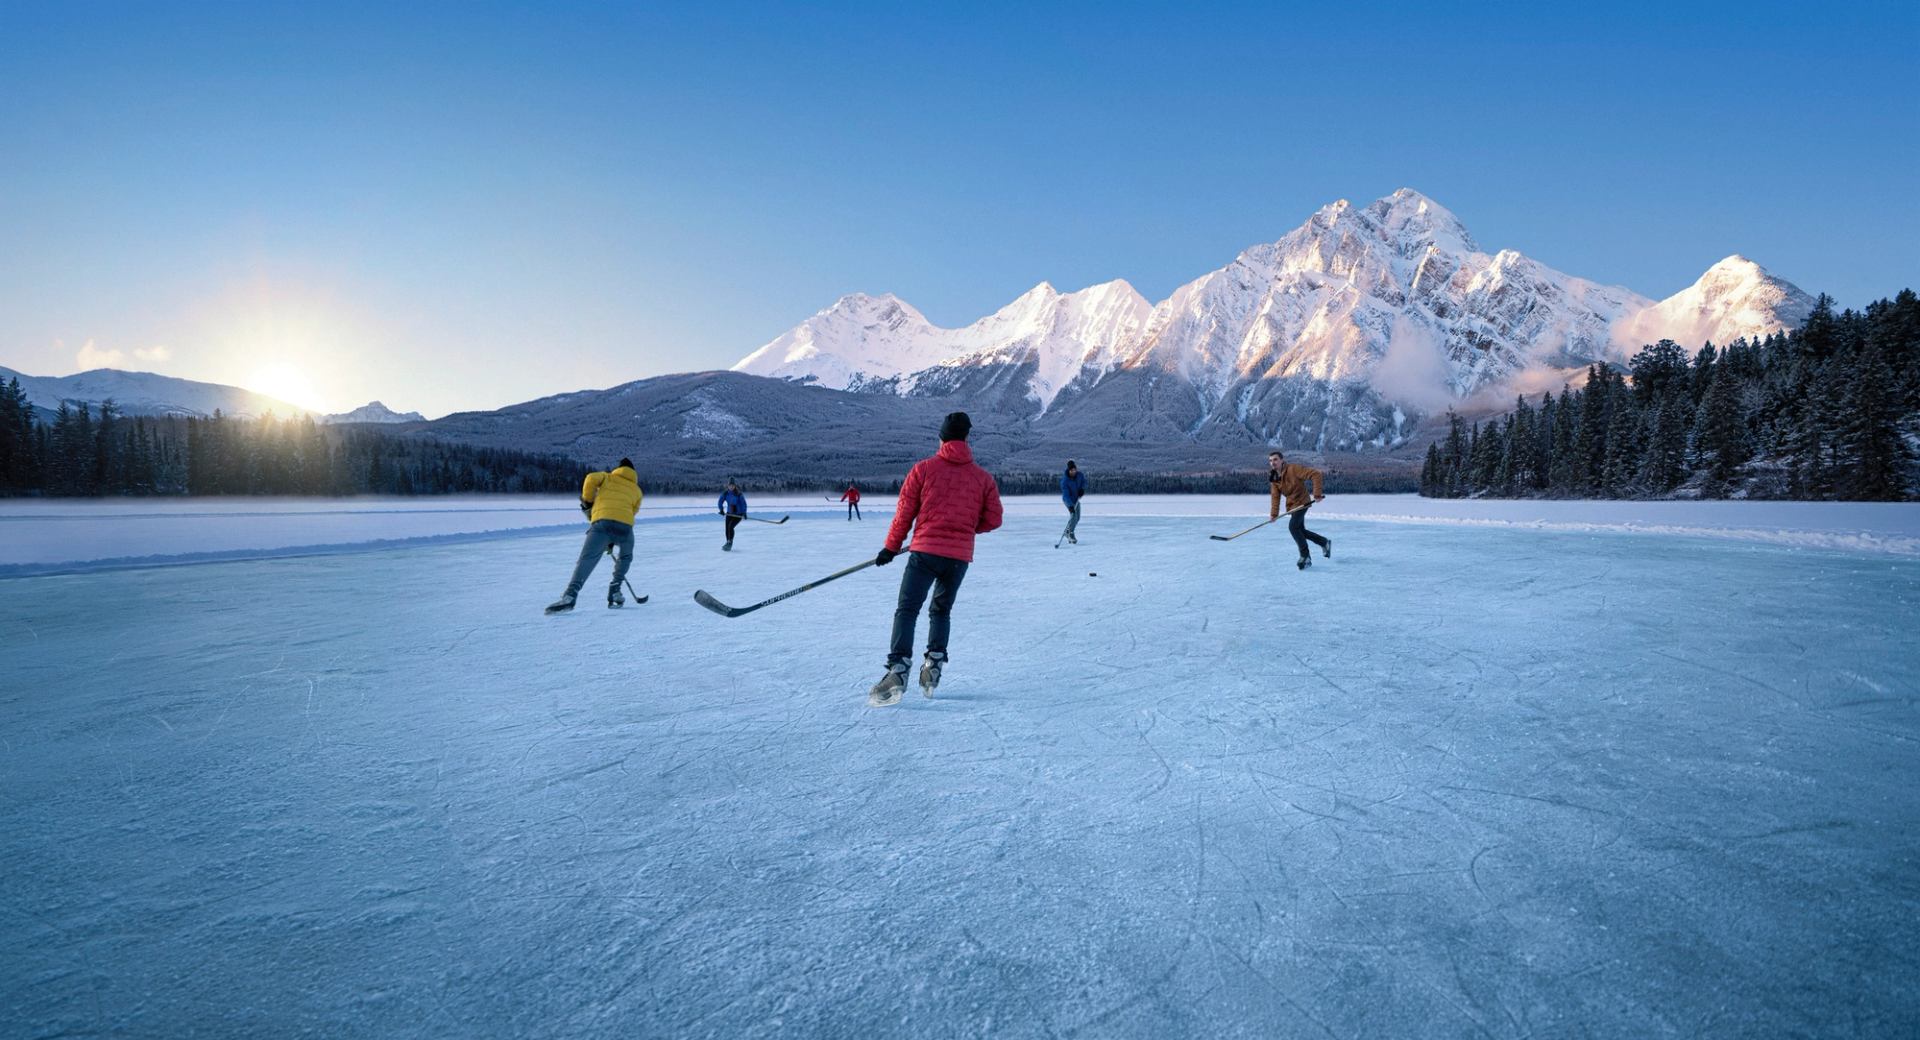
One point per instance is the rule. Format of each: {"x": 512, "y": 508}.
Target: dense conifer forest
{"x": 1828, "y": 411}
{"x": 87, "y": 452}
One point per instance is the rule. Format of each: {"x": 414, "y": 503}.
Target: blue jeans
{"x": 941, "y": 574}
{"x": 602, "y": 534}
{"x": 1073, "y": 518}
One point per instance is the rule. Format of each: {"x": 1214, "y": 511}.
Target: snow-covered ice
{"x": 1488, "y": 771}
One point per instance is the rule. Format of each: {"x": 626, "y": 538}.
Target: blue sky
{"x": 462, "y": 206}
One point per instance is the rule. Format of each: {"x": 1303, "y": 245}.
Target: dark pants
{"x": 1301, "y": 536}
{"x": 925, "y": 571}
{"x": 732, "y": 522}
{"x": 853, "y": 510}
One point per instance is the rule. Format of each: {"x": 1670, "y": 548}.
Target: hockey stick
{"x": 755, "y": 519}
{"x": 1064, "y": 534}
{"x": 637, "y": 598}
{"x": 1255, "y": 527}
{"x": 706, "y": 599}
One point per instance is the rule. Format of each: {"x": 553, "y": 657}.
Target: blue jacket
{"x": 1072, "y": 488}
{"x": 733, "y": 502}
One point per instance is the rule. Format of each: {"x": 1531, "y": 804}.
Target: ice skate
{"x": 886, "y": 692}
{"x": 561, "y": 605}
{"x": 930, "y": 674}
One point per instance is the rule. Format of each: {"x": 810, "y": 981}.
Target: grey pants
{"x": 602, "y": 534}
{"x": 1073, "y": 518}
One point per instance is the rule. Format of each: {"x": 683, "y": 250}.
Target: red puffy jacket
{"x": 852, "y": 495}
{"x": 946, "y": 500}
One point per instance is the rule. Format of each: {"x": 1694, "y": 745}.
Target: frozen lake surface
{"x": 1507, "y": 769}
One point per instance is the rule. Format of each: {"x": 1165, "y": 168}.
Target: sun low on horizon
{"x": 285, "y": 381}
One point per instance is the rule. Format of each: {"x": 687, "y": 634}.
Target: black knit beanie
{"x": 956, "y": 427}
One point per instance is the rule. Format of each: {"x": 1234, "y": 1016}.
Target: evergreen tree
{"x": 1622, "y": 463}
{"x": 1654, "y": 369}
{"x": 1590, "y": 443}
{"x": 1819, "y": 335}
{"x": 1563, "y": 475}
{"x": 1872, "y": 450}
{"x": 1665, "y": 461}
{"x": 1702, "y": 376}
{"x": 1720, "y": 431}
{"x": 1540, "y": 450}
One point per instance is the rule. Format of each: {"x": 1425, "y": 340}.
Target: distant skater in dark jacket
{"x": 946, "y": 500}
{"x": 1073, "y": 487}
{"x": 733, "y": 506}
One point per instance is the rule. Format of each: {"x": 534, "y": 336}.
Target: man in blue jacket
{"x": 733, "y": 506}
{"x": 1073, "y": 487}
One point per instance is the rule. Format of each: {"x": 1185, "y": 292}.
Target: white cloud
{"x": 1414, "y": 369}
{"x": 91, "y": 356}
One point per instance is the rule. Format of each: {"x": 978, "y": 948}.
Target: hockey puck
{"x": 1091, "y": 574}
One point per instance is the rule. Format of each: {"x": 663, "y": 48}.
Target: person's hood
{"x": 625, "y": 473}
{"x": 955, "y": 452}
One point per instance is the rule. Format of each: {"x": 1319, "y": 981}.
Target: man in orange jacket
{"x": 1288, "y": 480}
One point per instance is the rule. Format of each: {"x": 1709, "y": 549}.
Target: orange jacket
{"x": 1291, "y": 480}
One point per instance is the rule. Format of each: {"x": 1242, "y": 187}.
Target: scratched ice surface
{"x": 1460, "y": 780}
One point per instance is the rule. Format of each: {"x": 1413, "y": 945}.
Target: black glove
{"x": 886, "y": 556}
{"x": 587, "y": 508}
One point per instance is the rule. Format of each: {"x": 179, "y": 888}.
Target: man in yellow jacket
{"x": 610, "y": 500}
{"x": 1288, "y": 481}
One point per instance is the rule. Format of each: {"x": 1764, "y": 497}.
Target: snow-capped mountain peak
{"x": 882, "y": 341}
{"x": 1735, "y": 297}
{"x": 1406, "y": 216}
{"x": 1334, "y": 335}
{"x": 374, "y": 412}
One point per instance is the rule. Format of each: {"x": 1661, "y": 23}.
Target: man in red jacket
{"x": 946, "y": 501}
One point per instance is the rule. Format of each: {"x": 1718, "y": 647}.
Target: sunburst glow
{"x": 283, "y": 382}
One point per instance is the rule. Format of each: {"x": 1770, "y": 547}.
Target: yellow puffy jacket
{"x": 613, "y": 496}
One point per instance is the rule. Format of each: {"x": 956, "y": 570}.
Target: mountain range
{"x": 1345, "y": 338}
{"x": 153, "y": 394}
{"x": 145, "y": 393}
{"x": 1341, "y": 335}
